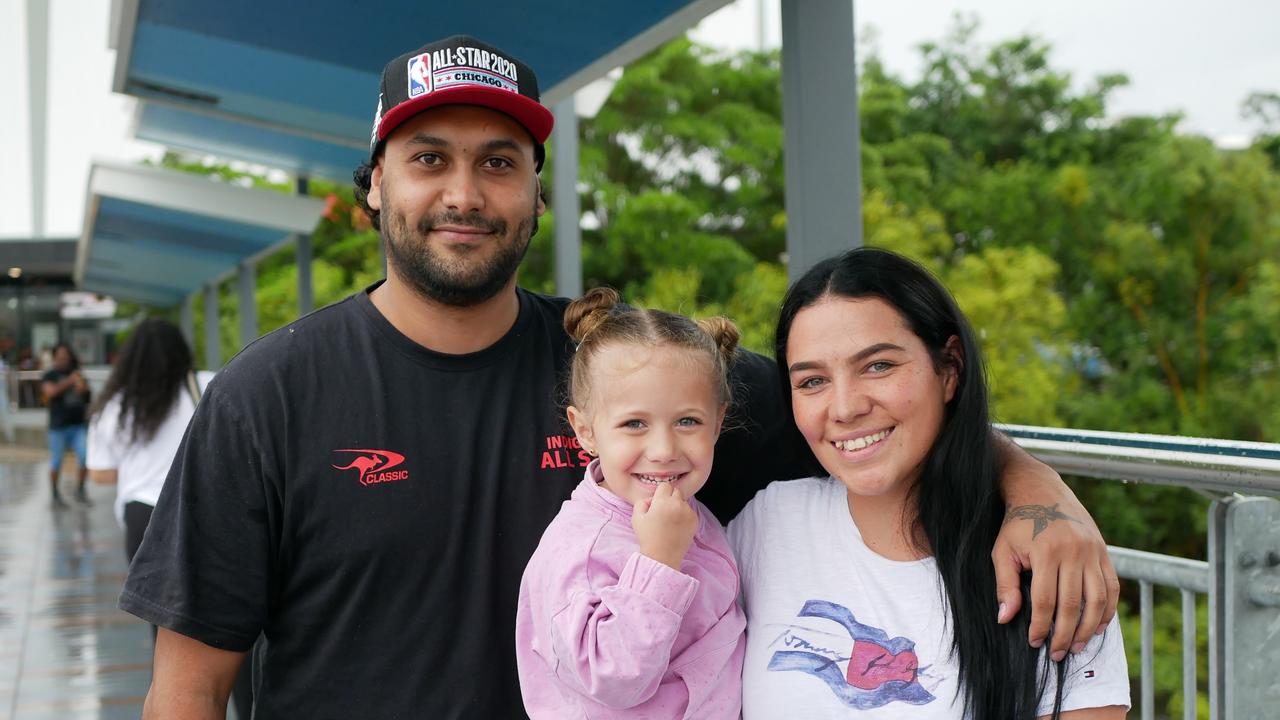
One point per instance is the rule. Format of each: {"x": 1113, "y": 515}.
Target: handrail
{"x": 1160, "y": 569}
{"x": 1221, "y": 465}
{"x": 90, "y": 372}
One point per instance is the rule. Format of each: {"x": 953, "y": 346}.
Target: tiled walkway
{"x": 65, "y": 650}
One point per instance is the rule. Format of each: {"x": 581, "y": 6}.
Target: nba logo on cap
{"x": 419, "y": 74}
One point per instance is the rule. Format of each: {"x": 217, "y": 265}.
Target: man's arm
{"x": 1049, "y": 532}
{"x": 189, "y": 679}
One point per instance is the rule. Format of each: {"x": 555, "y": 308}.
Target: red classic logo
{"x": 375, "y": 466}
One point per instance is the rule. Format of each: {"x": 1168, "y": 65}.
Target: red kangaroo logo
{"x": 373, "y": 465}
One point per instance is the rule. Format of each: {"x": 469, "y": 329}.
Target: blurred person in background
{"x": 136, "y": 426}
{"x": 67, "y": 395}
{"x": 137, "y": 423}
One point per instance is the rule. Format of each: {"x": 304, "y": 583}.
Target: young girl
{"x": 871, "y": 592}
{"x": 628, "y": 607}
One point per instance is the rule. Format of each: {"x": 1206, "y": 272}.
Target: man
{"x": 365, "y": 486}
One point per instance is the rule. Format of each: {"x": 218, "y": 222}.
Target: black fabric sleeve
{"x": 205, "y": 564}
{"x": 759, "y": 443}
{"x": 54, "y": 376}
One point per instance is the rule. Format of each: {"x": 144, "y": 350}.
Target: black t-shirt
{"x": 67, "y": 407}
{"x": 369, "y": 505}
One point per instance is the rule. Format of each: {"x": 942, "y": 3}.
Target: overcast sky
{"x": 1199, "y": 58}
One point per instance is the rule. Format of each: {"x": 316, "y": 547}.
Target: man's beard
{"x": 455, "y": 283}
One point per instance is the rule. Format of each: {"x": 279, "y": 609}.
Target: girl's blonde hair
{"x": 599, "y": 319}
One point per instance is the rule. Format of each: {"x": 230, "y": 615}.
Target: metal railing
{"x": 1241, "y": 576}
{"x": 22, "y": 387}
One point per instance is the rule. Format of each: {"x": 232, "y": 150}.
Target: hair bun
{"x": 586, "y": 313}
{"x": 724, "y": 332}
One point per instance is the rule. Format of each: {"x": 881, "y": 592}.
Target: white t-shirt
{"x": 141, "y": 467}
{"x": 835, "y": 630}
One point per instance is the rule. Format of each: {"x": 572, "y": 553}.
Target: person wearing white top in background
{"x": 137, "y": 423}
{"x": 136, "y": 427}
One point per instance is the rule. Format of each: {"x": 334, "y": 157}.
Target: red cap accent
{"x": 534, "y": 116}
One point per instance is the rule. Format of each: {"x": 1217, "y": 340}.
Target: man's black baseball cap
{"x": 459, "y": 70}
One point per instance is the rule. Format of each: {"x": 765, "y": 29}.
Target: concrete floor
{"x": 65, "y": 650}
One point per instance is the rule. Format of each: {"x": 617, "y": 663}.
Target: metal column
{"x": 820, "y": 127}
{"x": 212, "y": 338}
{"x": 564, "y": 199}
{"x": 306, "y": 299}
{"x": 38, "y": 73}
{"x": 248, "y": 284}
{"x": 1244, "y": 608}
{"x": 187, "y": 320}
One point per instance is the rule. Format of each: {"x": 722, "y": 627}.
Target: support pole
{"x": 564, "y": 199}
{"x": 212, "y": 338}
{"x": 1244, "y": 608}
{"x": 306, "y": 300}
{"x": 187, "y": 320}
{"x": 38, "y": 74}
{"x": 820, "y": 129}
{"x": 248, "y": 281}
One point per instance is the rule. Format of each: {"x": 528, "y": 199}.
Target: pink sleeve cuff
{"x": 669, "y": 588}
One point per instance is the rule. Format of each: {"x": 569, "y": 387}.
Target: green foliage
{"x": 1007, "y": 293}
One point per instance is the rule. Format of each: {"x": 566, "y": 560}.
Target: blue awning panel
{"x": 198, "y": 132}
{"x": 155, "y": 236}
{"x": 314, "y": 69}
{"x": 295, "y": 86}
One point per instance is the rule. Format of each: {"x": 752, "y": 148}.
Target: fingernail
{"x": 1037, "y": 642}
{"x": 1057, "y": 657}
{"x": 1077, "y": 648}
{"x": 1101, "y": 629}
{"x": 1000, "y": 614}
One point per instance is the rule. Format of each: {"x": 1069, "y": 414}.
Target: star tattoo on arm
{"x": 1039, "y": 514}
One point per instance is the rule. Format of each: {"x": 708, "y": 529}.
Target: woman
{"x": 872, "y": 590}
{"x": 138, "y": 422}
{"x": 67, "y": 394}
{"x": 135, "y": 430}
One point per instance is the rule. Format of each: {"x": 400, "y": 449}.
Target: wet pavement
{"x": 65, "y": 650}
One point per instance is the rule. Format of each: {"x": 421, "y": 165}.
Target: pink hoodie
{"x": 605, "y": 632}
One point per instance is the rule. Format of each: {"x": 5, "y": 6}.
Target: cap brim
{"x": 534, "y": 116}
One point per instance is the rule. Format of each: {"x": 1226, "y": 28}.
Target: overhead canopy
{"x": 183, "y": 129}
{"x": 154, "y": 236}
{"x": 246, "y": 79}
{"x": 313, "y": 71}
{"x": 47, "y": 257}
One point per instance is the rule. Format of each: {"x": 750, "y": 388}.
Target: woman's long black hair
{"x": 957, "y": 497}
{"x": 153, "y": 365}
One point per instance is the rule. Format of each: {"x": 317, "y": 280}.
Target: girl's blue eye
{"x": 809, "y": 383}
{"x": 633, "y": 424}
{"x": 880, "y": 366}
{"x": 688, "y": 422}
